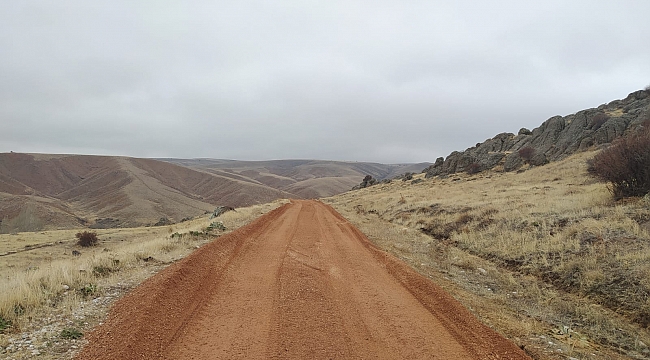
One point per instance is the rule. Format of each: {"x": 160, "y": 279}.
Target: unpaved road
{"x": 298, "y": 283}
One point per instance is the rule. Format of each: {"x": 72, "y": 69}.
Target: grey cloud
{"x": 386, "y": 81}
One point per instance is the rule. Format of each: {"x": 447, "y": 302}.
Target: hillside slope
{"x": 303, "y": 178}
{"x": 545, "y": 255}
{"x": 53, "y": 191}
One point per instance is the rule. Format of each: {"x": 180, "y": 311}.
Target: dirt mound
{"x": 298, "y": 283}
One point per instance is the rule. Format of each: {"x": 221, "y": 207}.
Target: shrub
{"x": 100, "y": 270}
{"x": 4, "y": 324}
{"x": 626, "y": 165}
{"x": 87, "y": 238}
{"x": 71, "y": 334}
{"x": 88, "y": 290}
{"x": 217, "y": 225}
{"x": 526, "y": 153}
{"x": 598, "y": 120}
{"x": 474, "y": 168}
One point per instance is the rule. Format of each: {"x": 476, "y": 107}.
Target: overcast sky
{"x": 384, "y": 81}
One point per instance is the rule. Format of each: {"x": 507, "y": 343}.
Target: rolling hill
{"x": 39, "y": 191}
{"x": 60, "y": 191}
{"x": 307, "y": 179}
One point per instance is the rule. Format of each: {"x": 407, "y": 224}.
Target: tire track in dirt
{"x": 298, "y": 283}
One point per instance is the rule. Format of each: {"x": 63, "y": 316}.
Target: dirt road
{"x": 298, "y": 283}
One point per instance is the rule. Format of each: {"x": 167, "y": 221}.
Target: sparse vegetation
{"x": 71, "y": 334}
{"x": 87, "y": 238}
{"x": 544, "y": 254}
{"x": 625, "y": 165}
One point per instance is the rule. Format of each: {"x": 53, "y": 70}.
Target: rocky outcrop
{"x": 555, "y": 139}
{"x": 367, "y": 181}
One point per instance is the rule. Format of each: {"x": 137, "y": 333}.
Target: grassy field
{"x": 545, "y": 256}
{"x": 47, "y": 294}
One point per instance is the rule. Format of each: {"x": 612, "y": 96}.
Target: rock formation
{"x": 555, "y": 139}
{"x": 367, "y": 181}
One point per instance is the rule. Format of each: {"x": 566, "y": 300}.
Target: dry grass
{"x": 33, "y": 282}
{"x": 543, "y": 254}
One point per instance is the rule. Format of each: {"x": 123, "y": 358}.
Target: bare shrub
{"x": 626, "y": 165}
{"x": 474, "y": 168}
{"x": 87, "y": 238}
{"x": 526, "y": 153}
{"x": 598, "y": 120}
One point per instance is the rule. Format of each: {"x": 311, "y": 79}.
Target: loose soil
{"x": 298, "y": 283}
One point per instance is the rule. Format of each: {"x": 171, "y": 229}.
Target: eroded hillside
{"x": 62, "y": 191}
{"x": 307, "y": 179}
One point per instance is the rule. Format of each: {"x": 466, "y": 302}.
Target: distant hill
{"x": 39, "y": 191}
{"x": 557, "y": 138}
{"x": 61, "y": 191}
{"x": 302, "y": 178}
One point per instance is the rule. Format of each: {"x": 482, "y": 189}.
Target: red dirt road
{"x": 298, "y": 283}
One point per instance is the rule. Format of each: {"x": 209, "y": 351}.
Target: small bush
{"x": 71, "y": 334}
{"x": 87, "y": 238}
{"x": 100, "y": 270}
{"x": 626, "y": 165}
{"x": 474, "y": 168}
{"x": 4, "y": 324}
{"x": 526, "y": 153}
{"x": 217, "y": 225}
{"x": 19, "y": 309}
{"x": 88, "y": 290}
{"x": 598, "y": 120}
